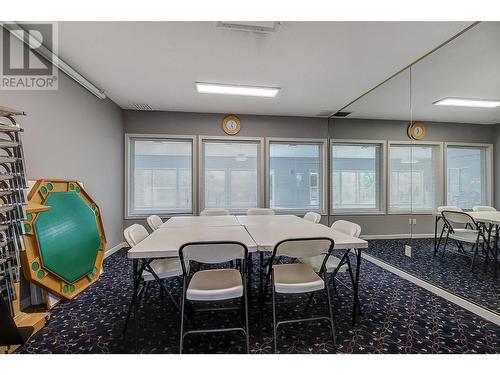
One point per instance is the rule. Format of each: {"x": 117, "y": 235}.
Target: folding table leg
{"x": 133, "y": 301}
{"x": 356, "y": 286}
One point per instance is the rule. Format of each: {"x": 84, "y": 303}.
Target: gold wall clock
{"x": 416, "y": 131}
{"x": 231, "y": 125}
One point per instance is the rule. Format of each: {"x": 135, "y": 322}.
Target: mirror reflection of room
{"x": 411, "y": 180}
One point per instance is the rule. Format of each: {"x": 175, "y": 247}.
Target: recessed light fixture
{"x": 216, "y": 88}
{"x": 463, "y": 102}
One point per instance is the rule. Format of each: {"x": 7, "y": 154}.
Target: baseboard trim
{"x": 114, "y": 249}
{"x": 396, "y": 236}
{"x": 467, "y": 305}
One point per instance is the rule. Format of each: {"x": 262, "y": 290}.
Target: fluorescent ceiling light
{"x": 215, "y": 88}
{"x": 463, "y": 102}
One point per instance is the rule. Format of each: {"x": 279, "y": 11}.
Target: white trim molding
{"x": 114, "y": 249}
{"x": 396, "y": 236}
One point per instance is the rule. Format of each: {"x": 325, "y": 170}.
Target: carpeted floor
{"x": 399, "y": 317}
{"x": 452, "y": 274}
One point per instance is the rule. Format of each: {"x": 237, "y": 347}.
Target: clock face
{"x": 231, "y": 125}
{"x": 416, "y": 131}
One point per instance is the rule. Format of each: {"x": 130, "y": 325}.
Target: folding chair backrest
{"x": 456, "y": 217}
{"x": 303, "y": 247}
{"x": 214, "y": 212}
{"x": 312, "y": 217}
{"x": 347, "y": 227}
{"x": 135, "y": 234}
{"x": 483, "y": 208}
{"x": 260, "y": 211}
{"x": 154, "y": 222}
{"x": 212, "y": 252}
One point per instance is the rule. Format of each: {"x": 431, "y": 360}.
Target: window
{"x": 415, "y": 177}
{"x": 468, "y": 176}
{"x": 230, "y": 174}
{"x": 296, "y": 175}
{"x": 357, "y": 177}
{"x": 160, "y": 175}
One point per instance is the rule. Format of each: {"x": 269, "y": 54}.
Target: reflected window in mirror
{"x": 357, "y": 177}
{"x": 468, "y": 176}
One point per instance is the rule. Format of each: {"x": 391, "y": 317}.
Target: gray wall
{"x": 295, "y": 127}
{"x": 69, "y": 133}
{"x": 184, "y": 123}
{"x": 396, "y": 131}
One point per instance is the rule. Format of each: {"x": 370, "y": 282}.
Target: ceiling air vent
{"x": 341, "y": 114}
{"x": 251, "y": 26}
{"x": 141, "y": 106}
{"x": 325, "y": 113}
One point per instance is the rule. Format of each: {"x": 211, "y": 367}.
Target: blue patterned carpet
{"x": 451, "y": 274}
{"x": 399, "y": 317}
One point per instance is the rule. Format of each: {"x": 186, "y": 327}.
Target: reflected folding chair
{"x": 163, "y": 269}
{"x": 154, "y": 222}
{"x": 444, "y": 228}
{"x": 312, "y": 217}
{"x": 470, "y": 233}
{"x": 299, "y": 278}
{"x": 335, "y": 265}
{"x": 214, "y": 212}
{"x": 260, "y": 211}
{"x": 214, "y": 285}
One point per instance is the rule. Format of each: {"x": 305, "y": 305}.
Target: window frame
{"x": 382, "y": 209}
{"x": 489, "y": 168}
{"x": 230, "y": 139}
{"x": 440, "y": 185}
{"x": 323, "y": 142}
{"x": 129, "y": 137}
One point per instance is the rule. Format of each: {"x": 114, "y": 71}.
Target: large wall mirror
{"x": 394, "y": 185}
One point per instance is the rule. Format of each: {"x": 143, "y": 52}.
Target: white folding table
{"x": 198, "y": 221}
{"x": 272, "y": 219}
{"x": 166, "y": 242}
{"x": 267, "y": 236}
{"x": 258, "y": 233}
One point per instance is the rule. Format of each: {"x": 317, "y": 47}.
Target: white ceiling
{"x": 467, "y": 67}
{"x": 319, "y": 65}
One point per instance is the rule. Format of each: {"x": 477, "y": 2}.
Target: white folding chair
{"x": 444, "y": 228}
{"x": 299, "y": 278}
{"x": 214, "y": 212}
{"x": 335, "y": 265}
{"x": 161, "y": 268}
{"x": 470, "y": 233}
{"x": 154, "y": 222}
{"x": 483, "y": 208}
{"x": 312, "y": 217}
{"x": 212, "y": 285}
{"x": 260, "y": 211}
